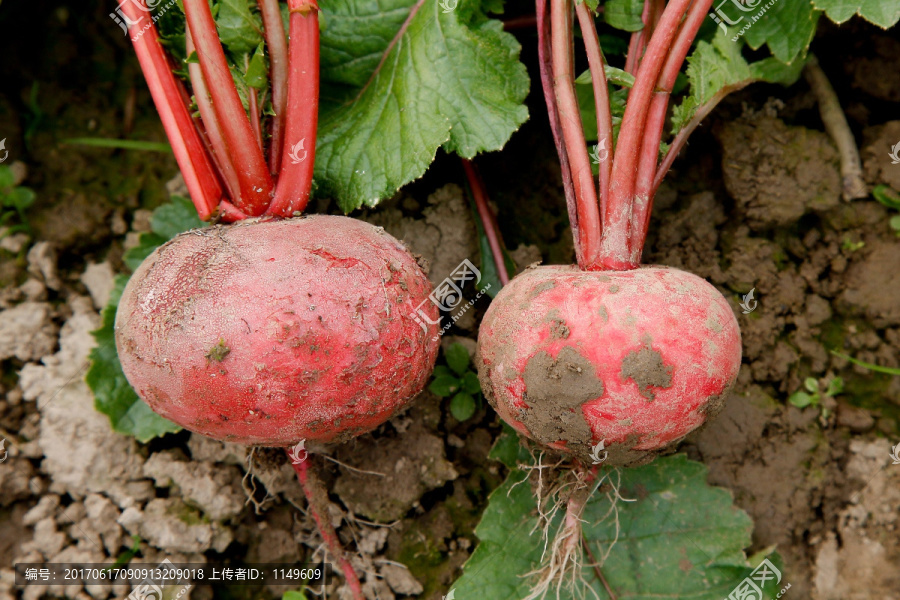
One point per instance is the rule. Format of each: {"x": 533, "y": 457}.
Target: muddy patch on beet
{"x": 555, "y": 391}
{"x": 647, "y": 369}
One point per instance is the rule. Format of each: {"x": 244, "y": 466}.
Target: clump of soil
{"x": 760, "y": 154}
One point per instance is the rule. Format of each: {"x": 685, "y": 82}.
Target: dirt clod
{"x": 555, "y": 391}
{"x": 647, "y": 369}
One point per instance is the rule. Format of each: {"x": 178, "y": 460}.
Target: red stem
{"x": 572, "y": 132}
{"x": 211, "y": 123}
{"x": 168, "y": 96}
{"x": 253, "y": 175}
{"x": 638, "y": 42}
{"x": 302, "y": 112}
{"x": 276, "y": 45}
{"x": 545, "y": 51}
{"x": 317, "y": 500}
{"x": 487, "y": 218}
{"x": 617, "y": 218}
{"x": 656, "y": 120}
{"x": 601, "y": 95}
{"x": 229, "y": 213}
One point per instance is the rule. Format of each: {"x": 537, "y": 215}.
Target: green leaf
{"x": 624, "y": 14}
{"x": 613, "y": 75}
{"x": 507, "y": 448}
{"x": 787, "y": 27}
{"x": 239, "y": 26}
{"x": 7, "y": 179}
{"x": 811, "y": 384}
{"x": 19, "y": 198}
{"x": 470, "y": 383}
{"x": 257, "y": 75}
{"x": 462, "y": 406}
{"x": 450, "y": 80}
{"x": 457, "y": 358}
{"x": 293, "y": 595}
{"x": 441, "y": 370}
{"x": 444, "y": 386}
{"x": 835, "y": 387}
{"x": 679, "y": 538}
{"x": 801, "y": 399}
{"x": 887, "y": 196}
{"x": 113, "y": 395}
{"x": 867, "y": 365}
{"x": 171, "y": 219}
{"x": 894, "y": 223}
{"x": 884, "y": 13}
{"x": 717, "y": 65}
{"x": 147, "y": 243}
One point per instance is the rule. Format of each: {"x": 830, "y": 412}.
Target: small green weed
{"x": 458, "y": 382}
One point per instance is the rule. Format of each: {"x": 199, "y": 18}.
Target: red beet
{"x": 636, "y": 359}
{"x": 276, "y": 331}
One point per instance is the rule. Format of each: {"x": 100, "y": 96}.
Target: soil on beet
{"x": 753, "y": 204}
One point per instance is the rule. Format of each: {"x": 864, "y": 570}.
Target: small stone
{"x": 42, "y": 264}
{"x": 46, "y": 507}
{"x": 14, "y": 243}
{"x": 27, "y": 332}
{"x": 99, "y": 280}
{"x": 401, "y": 580}
{"x": 34, "y": 290}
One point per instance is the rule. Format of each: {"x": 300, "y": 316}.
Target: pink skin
{"x": 276, "y": 331}
{"x": 604, "y": 317}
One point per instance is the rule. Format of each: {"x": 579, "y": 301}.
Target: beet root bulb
{"x": 633, "y": 359}
{"x": 272, "y": 332}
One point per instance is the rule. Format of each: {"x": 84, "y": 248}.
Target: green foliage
{"x": 884, "y": 13}
{"x": 294, "y": 595}
{"x": 669, "y": 535}
{"x": 624, "y": 14}
{"x": 113, "y": 395}
{"x": 887, "y": 196}
{"x": 121, "y": 144}
{"x": 787, "y": 28}
{"x": 718, "y": 66}
{"x": 813, "y": 393}
{"x": 868, "y": 365}
{"x": 450, "y": 80}
{"x": 458, "y": 382}
{"x": 14, "y": 201}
